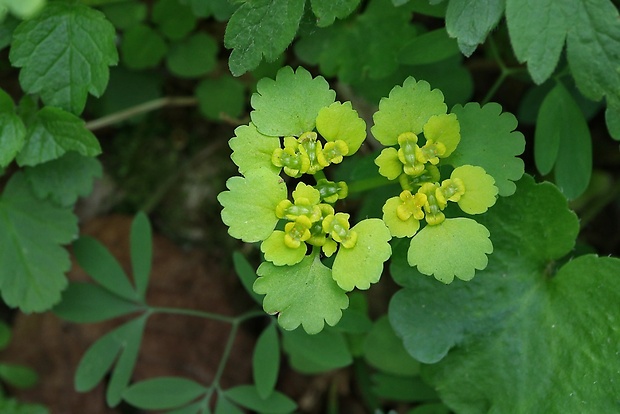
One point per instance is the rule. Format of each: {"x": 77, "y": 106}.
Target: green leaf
{"x": 471, "y": 22}
{"x": 246, "y": 274}
{"x": 224, "y": 406}
{"x": 195, "y": 408}
{"x": 261, "y": 28}
{"x": 193, "y": 57}
{"x": 64, "y": 179}
{"x": 12, "y": 406}
{"x": 563, "y": 138}
{"x": 593, "y": 51}
{"x": 33, "y": 262}
{"x": 253, "y": 150}
{"x": 247, "y": 396}
{"x": 121, "y": 375}
{"x": 326, "y": 11}
{"x": 537, "y": 33}
{"x": 340, "y": 121}
{"x": 97, "y": 261}
{"x": 384, "y": 351}
{"x": 310, "y": 354}
{"x": 51, "y": 133}
{"x": 23, "y": 9}
{"x": 366, "y": 47}
{"x": 399, "y": 388}
{"x": 250, "y": 204}
{"x": 141, "y": 241}
{"x": 432, "y": 8}
{"x": 266, "y": 361}
{"x": 173, "y": 19}
{"x": 406, "y": 109}
{"x": 79, "y": 46}
{"x": 88, "y": 303}
{"x": 163, "y": 393}
{"x": 124, "y": 15}
{"x": 12, "y": 136}
{"x": 221, "y": 97}
{"x": 290, "y": 104}
{"x": 612, "y": 119}
{"x": 371, "y": 250}
{"x": 304, "y": 294}
{"x": 457, "y": 247}
{"x": 142, "y": 47}
{"x": 430, "y": 47}
{"x": 18, "y": 376}
{"x": 488, "y": 140}
{"x": 513, "y": 330}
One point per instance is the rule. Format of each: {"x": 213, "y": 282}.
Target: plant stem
{"x": 369, "y": 184}
{"x": 197, "y": 313}
{"x": 149, "y": 106}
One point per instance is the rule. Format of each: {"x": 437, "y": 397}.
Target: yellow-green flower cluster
{"x": 309, "y": 221}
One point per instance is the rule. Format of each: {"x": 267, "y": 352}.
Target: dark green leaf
{"x": 97, "y": 261}
{"x": 266, "y": 361}
{"x": 126, "y": 14}
{"x": 427, "y": 8}
{"x": 174, "y": 20}
{"x": 12, "y": 134}
{"x": 247, "y": 396}
{"x": 563, "y": 139}
{"x": 384, "y": 351}
{"x": 398, "y": 388}
{"x": 226, "y": 407}
{"x": 142, "y": 47}
{"x": 78, "y": 45}
{"x": 88, "y": 303}
{"x": 612, "y": 119}
{"x": 470, "y": 22}
{"x": 18, "y": 376}
{"x": 5, "y": 335}
{"x": 430, "y": 408}
{"x": 51, "y": 133}
{"x": 193, "y": 57}
{"x": 326, "y": 11}
{"x": 428, "y": 48}
{"x": 513, "y": 331}
{"x": 261, "y": 28}
{"x": 322, "y": 352}
{"x": 11, "y": 406}
{"x": 121, "y": 375}
{"x": 593, "y": 51}
{"x": 163, "y": 393}
{"x": 141, "y": 240}
{"x": 33, "y": 262}
{"x": 222, "y": 97}
{"x": 7, "y": 26}
{"x": 65, "y": 179}
{"x": 195, "y": 408}
{"x": 246, "y": 274}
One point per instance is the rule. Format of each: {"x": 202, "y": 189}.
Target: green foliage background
{"x": 536, "y": 331}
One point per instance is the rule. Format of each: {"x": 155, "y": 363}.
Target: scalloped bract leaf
{"x": 304, "y": 294}
{"x": 489, "y": 139}
{"x": 480, "y": 190}
{"x": 406, "y": 109}
{"x": 289, "y": 105}
{"x": 65, "y": 179}
{"x": 32, "y": 274}
{"x": 326, "y": 11}
{"x": 470, "y": 22}
{"x": 52, "y": 133}
{"x": 444, "y": 128}
{"x": 253, "y": 150}
{"x": 261, "y": 28}
{"x": 519, "y": 337}
{"x": 79, "y": 45}
{"x": 341, "y": 121}
{"x": 398, "y": 227}
{"x": 362, "y": 264}
{"x": 457, "y": 247}
{"x": 389, "y": 164}
{"x": 278, "y": 253}
{"x": 250, "y": 204}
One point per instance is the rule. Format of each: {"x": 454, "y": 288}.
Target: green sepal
{"x": 304, "y": 294}
{"x": 371, "y": 250}
{"x": 290, "y": 104}
{"x": 488, "y": 139}
{"x": 457, "y": 247}
{"x": 250, "y": 204}
{"x": 340, "y": 121}
{"x": 253, "y": 150}
{"x": 406, "y": 109}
